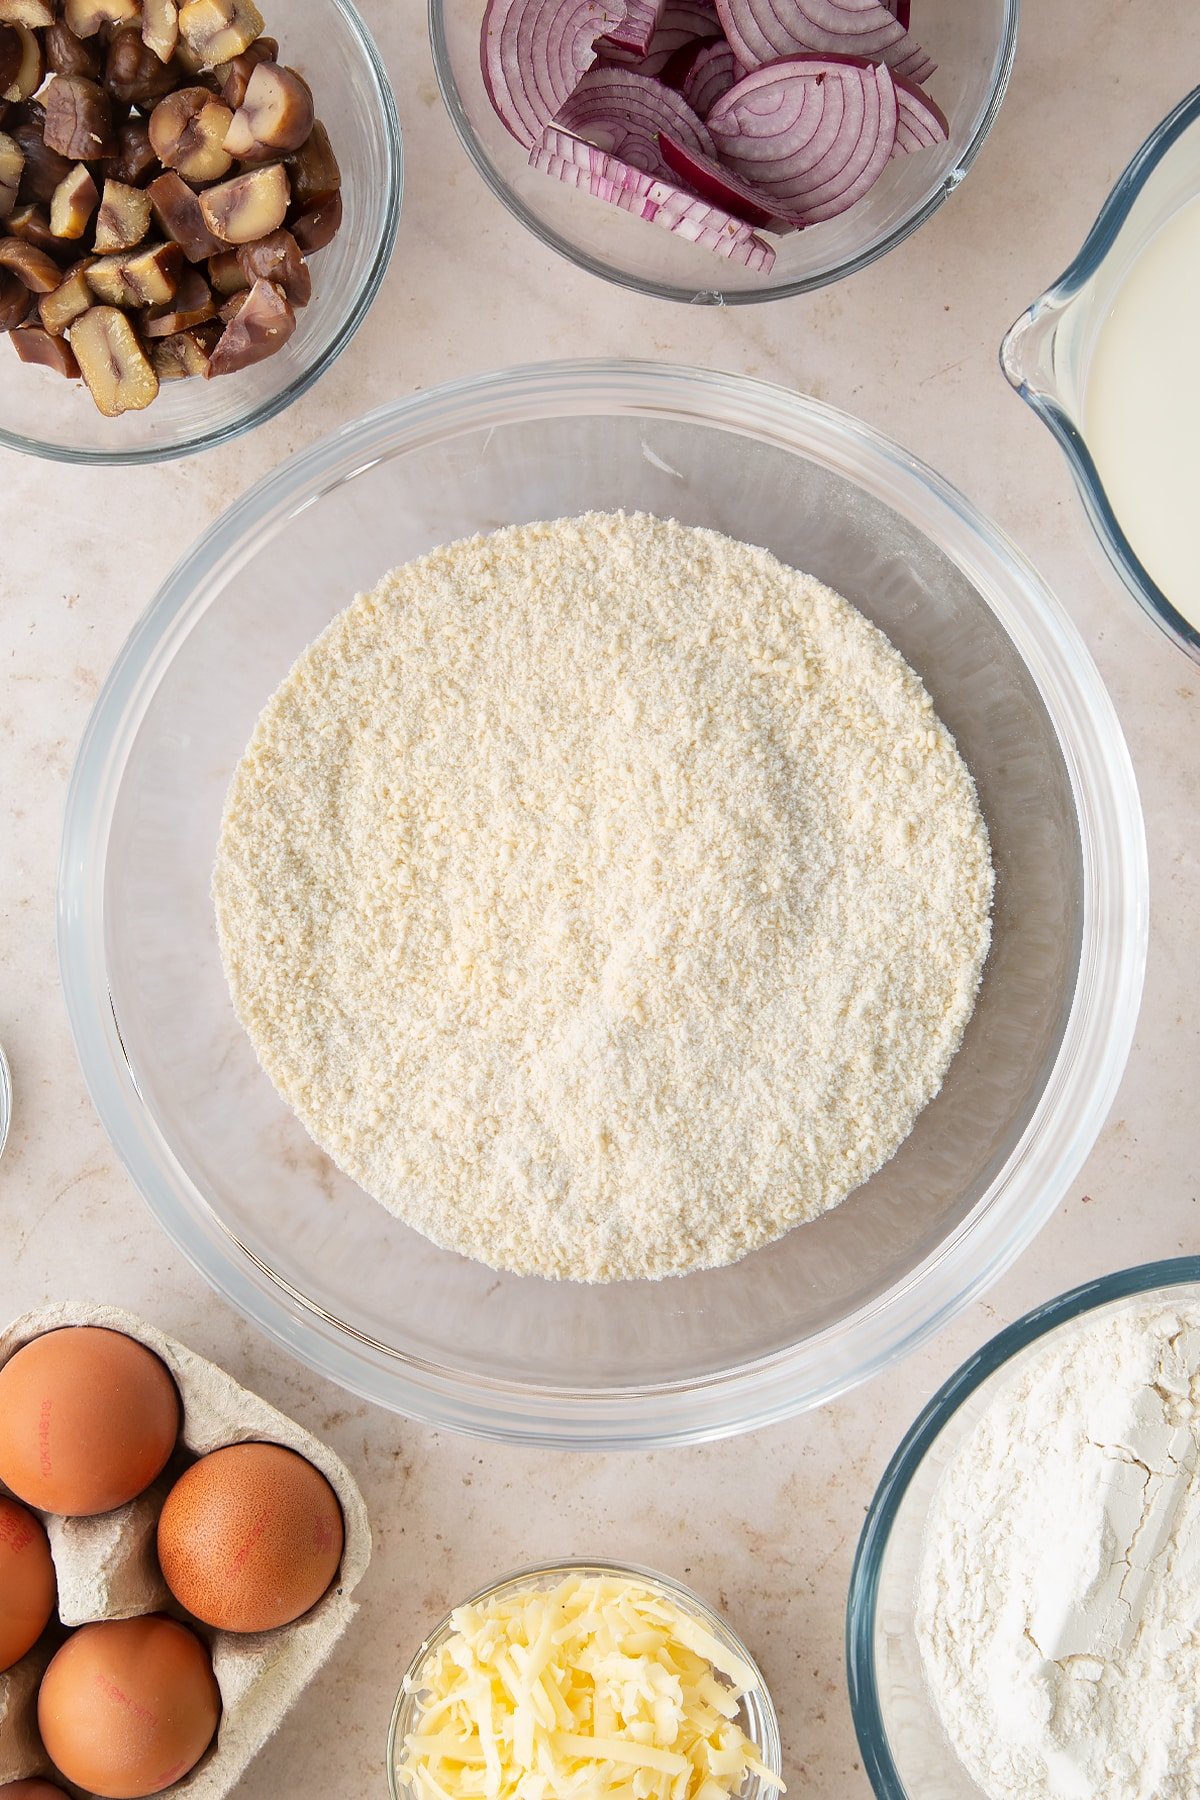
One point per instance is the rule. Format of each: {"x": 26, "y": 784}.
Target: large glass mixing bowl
{"x": 296, "y": 1246}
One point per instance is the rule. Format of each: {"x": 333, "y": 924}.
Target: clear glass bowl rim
{"x": 392, "y": 137}
{"x": 865, "y": 1709}
{"x": 666, "y": 290}
{"x": 770, "y": 1749}
{"x": 1078, "y": 1092}
{"x": 1095, "y": 248}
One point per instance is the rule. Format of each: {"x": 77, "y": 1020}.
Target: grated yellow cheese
{"x": 600, "y": 1686}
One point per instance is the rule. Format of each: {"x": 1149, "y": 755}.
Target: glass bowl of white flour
{"x": 1022, "y": 1622}
{"x": 277, "y": 1226}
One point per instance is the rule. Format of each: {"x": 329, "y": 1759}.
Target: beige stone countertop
{"x": 764, "y": 1525}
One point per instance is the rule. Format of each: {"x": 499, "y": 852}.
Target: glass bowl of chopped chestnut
{"x": 194, "y": 217}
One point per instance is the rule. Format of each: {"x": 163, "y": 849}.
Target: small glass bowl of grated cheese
{"x": 579, "y": 1680}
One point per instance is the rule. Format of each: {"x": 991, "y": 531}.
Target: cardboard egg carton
{"x": 107, "y": 1568}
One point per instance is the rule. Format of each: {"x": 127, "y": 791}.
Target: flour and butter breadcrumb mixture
{"x": 604, "y": 896}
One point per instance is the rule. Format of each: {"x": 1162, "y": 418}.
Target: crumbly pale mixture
{"x": 1058, "y": 1599}
{"x": 604, "y": 896}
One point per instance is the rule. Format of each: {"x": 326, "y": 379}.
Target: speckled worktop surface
{"x": 765, "y": 1525}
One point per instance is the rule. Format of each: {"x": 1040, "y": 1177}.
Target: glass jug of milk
{"x": 1109, "y": 359}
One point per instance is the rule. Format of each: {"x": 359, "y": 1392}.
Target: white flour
{"x": 604, "y": 896}
{"x": 1058, "y": 1601}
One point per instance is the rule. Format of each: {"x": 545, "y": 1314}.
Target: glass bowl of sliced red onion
{"x": 723, "y": 151}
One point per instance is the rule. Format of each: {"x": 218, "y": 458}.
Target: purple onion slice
{"x": 606, "y": 177}
{"x": 683, "y": 23}
{"x": 679, "y": 65}
{"x": 760, "y": 31}
{"x": 713, "y": 71}
{"x": 533, "y": 54}
{"x": 812, "y": 132}
{"x": 635, "y": 32}
{"x": 623, "y": 112}
{"x": 902, "y": 10}
{"x": 921, "y": 123}
{"x": 721, "y": 187}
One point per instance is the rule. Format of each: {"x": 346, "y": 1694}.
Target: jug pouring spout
{"x": 1028, "y": 353}
{"x": 1107, "y": 359}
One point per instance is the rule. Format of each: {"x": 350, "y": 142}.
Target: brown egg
{"x": 250, "y": 1537}
{"x": 88, "y": 1418}
{"x": 27, "y": 1586}
{"x": 127, "y": 1707}
{"x": 34, "y": 1789}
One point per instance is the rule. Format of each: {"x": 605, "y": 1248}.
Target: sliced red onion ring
{"x": 812, "y": 132}
{"x": 718, "y": 185}
{"x": 679, "y": 65}
{"x": 683, "y": 22}
{"x": 635, "y": 33}
{"x": 647, "y": 197}
{"x": 713, "y": 71}
{"x": 762, "y": 30}
{"x": 921, "y": 123}
{"x": 622, "y": 112}
{"x": 533, "y": 53}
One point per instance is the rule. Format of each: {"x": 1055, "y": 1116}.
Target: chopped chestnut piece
{"x": 263, "y": 324}
{"x": 35, "y": 15}
{"x": 73, "y": 203}
{"x": 31, "y": 69}
{"x": 106, "y": 278}
{"x": 138, "y": 278}
{"x": 132, "y": 72}
{"x": 277, "y": 258}
{"x": 235, "y": 76}
{"x": 39, "y": 272}
{"x": 16, "y": 301}
{"x": 12, "y": 161}
{"x": 160, "y": 27}
{"x": 276, "y": 115}
{"x": 187, "y": 130}
{"x": 72, "y": 297}
{"x": 152, "y": 277}
{"x": 186, "y": 353}
{"x": 112, "y": 362}
{"x": 249, "y": 206}
{"x": 233, "y": 306}
{"x": 32, "y": 225}
{"x": 44, "y": 168}
{"x": 226, "y": 274}
{"x": 215, "y": 31}
{"x": 85, "y": 17}
{"x": 11, "y": 52}
{"x": 79, "y": 121}
{"x": 124, "y": 217}
{"x": 68, "y": 55}
{"x": 313, "y": 170}
{"x": 134, "y": 160}
{"x": 33, "y": 345}
{"x": 191, "y": 65}
{"x": 193, "y": 305}
{"x": 177, "y": 210}
{"x": 318, "y": 226}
